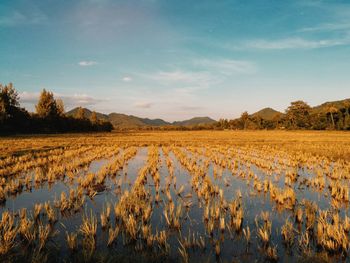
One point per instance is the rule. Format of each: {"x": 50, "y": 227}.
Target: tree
{"x": 47, "y": 106}
{"x": 9, "y": 101}
{"x": 80, "y": 114}
{"x": 331, "y": 109}
{"x": 258, "y": 121}
{"x": 60, "y": 107}
{"x": 223, "y": 124}
{"x": 277, "y": 120}
{"x": 298, "y": 114}
{"x": 93, "y": 117}
{"x": 346, "y": 105}
{"x": 244, "y": 119}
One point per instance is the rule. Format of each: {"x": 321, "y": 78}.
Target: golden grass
{"x": 275, "y": 165}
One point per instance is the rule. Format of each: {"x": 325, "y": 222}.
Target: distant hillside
{"x": 323, "y": 107}
{"x": 87, "y": 114}
{"x": 194, "y": 121}
{"x": 154, "y": 122}
{"x": 267, "y": 114}
{"x": 123, "y": 121}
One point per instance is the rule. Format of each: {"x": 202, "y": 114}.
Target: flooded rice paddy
{"x": 119, "y": 202}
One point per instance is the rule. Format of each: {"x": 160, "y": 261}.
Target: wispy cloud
{"x": 143, "y": 104}
{"x": 227, "y": 66}
{"x": 180, "y": 76}
{"x": 87, "y": 63}
{"x": 191, "y": 108}
{"x": 198, "y": 74}
{"x": 69, "y": 100}
{"x": 183, "y": 81}
{"x": 127, "y": 79}
{"x": 294, "y": 43}
{"x": 17, "y": 18}
{"x": 327, "y": 27}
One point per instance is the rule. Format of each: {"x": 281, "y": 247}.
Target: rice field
{"x": 227, "y": 196}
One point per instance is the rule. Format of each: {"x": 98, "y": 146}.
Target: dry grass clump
{"x": 236, "y": 212}
{"x": 105, "y": 216}
{"x": 112, "y": 235}
{"x": 264, "y": 227}
{"x": 331, "y": 234}
{"x": 8, "y": 232}
{"x": 172, "y": 215}
{"x": 72, "y": 241}
{"x": 51, "y": 214}
{"x": 43, "y": 235}
{"x": 89, "y": 226}
{"x": 287, "y": 232}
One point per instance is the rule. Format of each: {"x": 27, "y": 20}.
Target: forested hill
{"x": 124, "y": 121}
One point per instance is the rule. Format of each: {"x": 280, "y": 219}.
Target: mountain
{"x": 123, "y": 121}
{"x": 194, "y": 121}
{"x": 266, "y": 114}
{"x": 87, "y": 114}
{"x": 269, "y": 113}
{"x": 323, "y": 107}
{"x": 155, "y": 122}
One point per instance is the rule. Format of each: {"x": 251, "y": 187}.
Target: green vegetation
{"x": 299, "y": 115}
{"x": 49, "y": 116}
{"x": 125, "y": 122}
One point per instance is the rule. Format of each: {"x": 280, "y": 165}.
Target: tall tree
{"x": 80, "y": 114}
{"x": 223, "y": 124}
{"x": 298, "y": 114}
{"x": 331, "y": 109}
{"x": 47, "y": 107}
{"x": 9, "y": 101}
{"x": 276, "y": 120}
{"x": 346, "y": 105}
{"x": 93, "y": 117}
{"x": 60, "y": 107}
{"x": 244, "y": 119}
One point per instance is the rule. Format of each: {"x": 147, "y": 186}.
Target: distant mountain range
{"x": 267, "y": 114}
{"x": 124, "y": 121}
{"x": 270, "y": 114}
{"x": 339, "y": 104}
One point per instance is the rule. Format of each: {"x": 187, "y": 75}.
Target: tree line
{"x": 49, "y": 116}
{"x": 299, "y": 115}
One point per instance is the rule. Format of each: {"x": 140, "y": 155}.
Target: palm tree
{"x": 245, "y": 118}
{"x": 331, "y": 109}
{"x": 346, "y": 105}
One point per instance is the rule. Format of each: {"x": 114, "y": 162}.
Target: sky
{"x": 176, "y": 59}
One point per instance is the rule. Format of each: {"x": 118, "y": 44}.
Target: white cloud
{"x": 327, "y": 27}
{"x": 127, "y": 79}
{"x": 295, "y": 43}
{"x": 179, "y": 76}
{"x": 227, "y": 66}
{"x": 69, "y": 100}
{"x": 183, "y": 79}
{"x": 143, "y": 105}
{"x": 191, "y": 108}
{"x": 87, "y": 63}
{"x": 16, "y": 18}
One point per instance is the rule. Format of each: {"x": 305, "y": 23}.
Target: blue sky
{"x": 177, "y": 59}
